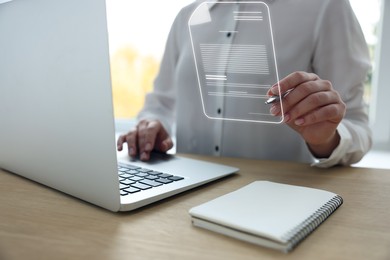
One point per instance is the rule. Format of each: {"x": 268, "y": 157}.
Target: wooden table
{"x": 37, "y": 222}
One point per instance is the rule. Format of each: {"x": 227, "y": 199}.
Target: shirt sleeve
{"x": 341, "y": 56}
{"x": 160, "y": 103}
{"x": 346, "y": 152}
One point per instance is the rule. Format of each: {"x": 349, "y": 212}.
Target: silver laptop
{"x": 56, "y": 114}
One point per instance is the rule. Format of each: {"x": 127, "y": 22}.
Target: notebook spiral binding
{"x": 296, "y": 235}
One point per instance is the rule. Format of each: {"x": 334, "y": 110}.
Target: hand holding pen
{"x": 311, "y": 107}
{"x": 276, "y": 98}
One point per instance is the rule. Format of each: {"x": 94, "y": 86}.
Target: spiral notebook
{"x": 270, "y": 214}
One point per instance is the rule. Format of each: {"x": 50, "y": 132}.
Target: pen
{"x": 276, "y": 98}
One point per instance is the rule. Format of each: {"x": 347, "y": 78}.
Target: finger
{"x": 132, "y": 146}
{"x": 296, "y": 97}
{"x": 120, "y": 141}
{"x": 312, "y": 102}
{"x": 151, "y": 135}
{"x": 305, "y": 90}
{"x": 165, "y": 145}
{"x": 291, "y": 81}
{"x": 333, "y": 113}
{"x": 147, "y": 133}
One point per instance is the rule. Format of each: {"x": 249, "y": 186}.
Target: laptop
{"x": 56, "y": 111}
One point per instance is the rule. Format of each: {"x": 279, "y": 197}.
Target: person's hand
{"x": 313, "y": 109}
{"x": 147, "y": 136}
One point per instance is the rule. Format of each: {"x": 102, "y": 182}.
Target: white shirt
{"x": 319, "y": 36}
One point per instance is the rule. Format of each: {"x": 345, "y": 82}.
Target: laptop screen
{"x": 56, "y": 102}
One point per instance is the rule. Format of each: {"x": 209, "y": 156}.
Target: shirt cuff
{"x": 339, "y": 153}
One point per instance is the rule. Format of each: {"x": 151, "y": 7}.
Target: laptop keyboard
{"x": 134, "y": 179}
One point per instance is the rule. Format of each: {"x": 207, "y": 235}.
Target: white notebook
{"x": 265, "y": 213}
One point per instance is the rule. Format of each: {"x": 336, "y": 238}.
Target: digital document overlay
{"x": 235, "y": 60}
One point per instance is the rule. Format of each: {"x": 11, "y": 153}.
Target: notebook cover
{"x": 281, "y": 214}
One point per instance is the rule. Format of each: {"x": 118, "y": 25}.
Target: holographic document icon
{"x": 235, "y": 60}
